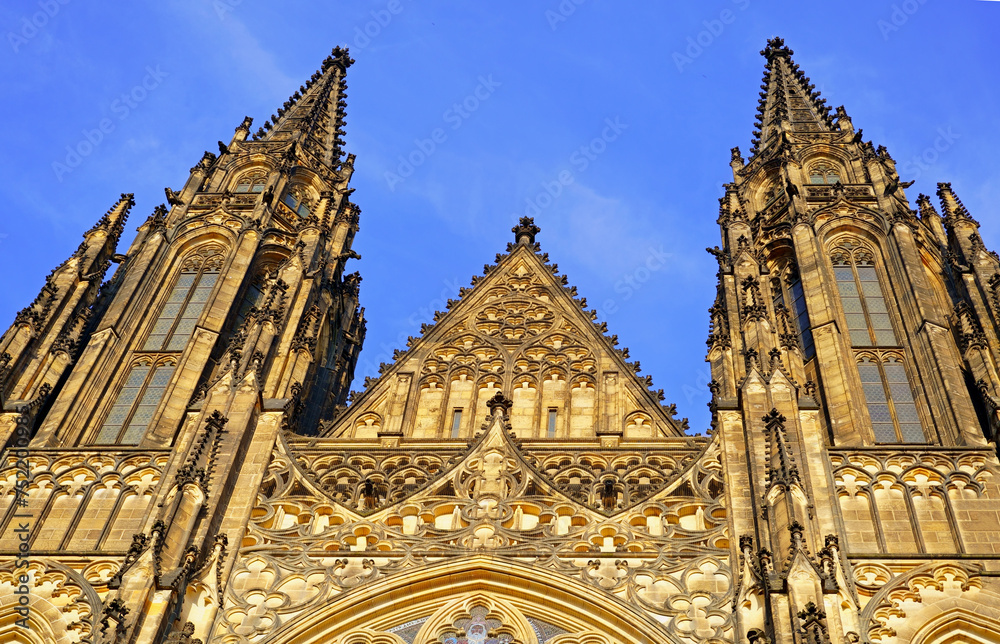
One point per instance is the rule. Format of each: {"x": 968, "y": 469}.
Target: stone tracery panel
{"x": 313, "y": 535}
{"x": 915, "y": 501}
{"x": 112, "y": 489}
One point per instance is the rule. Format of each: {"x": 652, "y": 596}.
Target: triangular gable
{"x": 520, "y": 331}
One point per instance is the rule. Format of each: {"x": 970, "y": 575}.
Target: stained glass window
{"x": 476, "y": 630}
{"x": 888, "y": 393}
{"x": 135, "y": 405}
{"x": 864, "y": 303}
{"x": 297, "y": 198}
{"x": 795, "y": 296}
{"x": 183, "y": 308}
{"x": 890, "y": 402}
{"x": 253, "y": 182}
{"x": 823, "y": 173}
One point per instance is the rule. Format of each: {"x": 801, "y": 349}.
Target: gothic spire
{"x": 113, "y": 221}
{"x": 789, "y": 102}
{"x": 953, "y": 208}
{"x": 315, "y": 114}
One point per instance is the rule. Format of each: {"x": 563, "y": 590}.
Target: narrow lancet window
{"x": 184, "y": 306}
{"x": 888, "y": 393}
{"x": 135, "y": 405}
{"x": 456, "y": 423}
{"x": 793, "y": 294}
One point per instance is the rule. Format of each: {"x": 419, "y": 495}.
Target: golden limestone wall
{"x": 494, "y": 529}
{"x": 510, "y": 478}
{"x": 521, "y": 332}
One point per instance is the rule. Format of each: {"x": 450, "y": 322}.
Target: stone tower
{"x": 132, "y": 404}
{"x": 853, "y": 347}
{"x": 182, "y": 464}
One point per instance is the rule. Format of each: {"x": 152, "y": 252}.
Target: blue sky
{"x": 678, "y": 81}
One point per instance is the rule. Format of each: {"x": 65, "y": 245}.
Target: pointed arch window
{"x": 136, "y": 403}
{"x": 187, "y": 299}
{"x": 253, "y": 296}
{"x": 889, "y": 398}
{"x": 823, "y": 172}
{"x": 891, "y": 406}
{"x": 789, "y": 293}
{"x": 773, "y": 194}
{"x": 252, "y": 182}
{"x": 297, "y": 198}
{"x": 861, "y": 296}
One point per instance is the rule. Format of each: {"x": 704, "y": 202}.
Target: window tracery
{"x": 888, "y": 394}
{"x": 183, "y": 308}
{"x": 252, "y": 182}
{"x": 890, "y": 402}
{"x": 136, "y": 403}
{"x": 297, "y": 198}
{"x": 824, "y": 172}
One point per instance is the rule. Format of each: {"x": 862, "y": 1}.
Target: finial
{"x": 340, "y": 56}
{"x": 501, "y": 402}
{"x": 776, "y": 47}
{"x": 245, "y": 125}
{"x": 113, "y": 221}
{"x": 844, "y": 121}
{"x": 525, "y": 231}
{"x": 736, "y": 159}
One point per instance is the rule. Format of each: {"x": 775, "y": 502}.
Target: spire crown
{"x": 525, "y": 231}
{"x": 789, "y": 104}
{"x": 113, "y": 221}
{"x": 315, "y": 113}
{"x": 776, "y": 48}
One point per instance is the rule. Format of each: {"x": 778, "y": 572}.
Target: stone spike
{"x": 951, "y": 204}
{"x": 113, "y": 221}
{"x": 782, "y": 76}
{"x": 315, "y": 113}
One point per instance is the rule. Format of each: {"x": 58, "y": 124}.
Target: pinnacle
{"x": 113, "y": 221}
{"x": 951, "y": 204}
{"x": 789, "y": 102}
{"x": 525, "y": 231}
{"x": 315, "y": 114}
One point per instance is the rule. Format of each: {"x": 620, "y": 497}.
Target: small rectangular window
{"x": 456, "y": 423}
{"x": 552, "y": 423}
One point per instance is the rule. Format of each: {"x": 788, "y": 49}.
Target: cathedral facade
{"x": 184, "y": 460}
